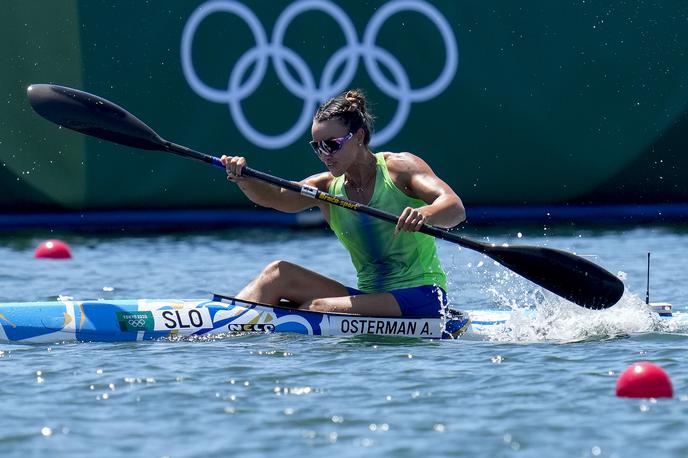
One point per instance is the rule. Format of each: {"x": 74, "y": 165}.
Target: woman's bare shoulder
{"x": 401, "y": 163}
{"x": 320, "y": 180}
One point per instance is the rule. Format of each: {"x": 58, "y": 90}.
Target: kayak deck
{"x": 143, "y": 319}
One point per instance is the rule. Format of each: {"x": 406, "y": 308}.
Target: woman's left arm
{"x": 416, "y": 179}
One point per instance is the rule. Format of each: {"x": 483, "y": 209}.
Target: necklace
{"x": 359, "y": 188}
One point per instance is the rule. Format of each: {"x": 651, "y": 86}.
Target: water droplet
{"x": 439, "y": 427}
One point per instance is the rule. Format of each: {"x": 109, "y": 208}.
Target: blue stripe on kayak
{"x": 488, "y": 323}
{"x": 100, "y": 325}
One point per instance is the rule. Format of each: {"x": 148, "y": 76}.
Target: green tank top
{"x": 383, "y": 261}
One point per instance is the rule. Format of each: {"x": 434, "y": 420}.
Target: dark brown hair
{"x": 350, "y": 109}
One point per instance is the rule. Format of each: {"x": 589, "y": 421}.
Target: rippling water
{"x": 544, "y": 388}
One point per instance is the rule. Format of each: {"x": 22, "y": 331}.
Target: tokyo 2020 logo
{"x": 311, "y": 92}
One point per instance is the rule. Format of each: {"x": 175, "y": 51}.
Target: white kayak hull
{"x": 145, "y": 319}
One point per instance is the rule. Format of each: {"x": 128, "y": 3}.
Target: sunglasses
{"x": 331, "y": 146}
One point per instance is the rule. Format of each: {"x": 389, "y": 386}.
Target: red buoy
{"x": 53, "y": 249}
{"x": 644, "y": 380}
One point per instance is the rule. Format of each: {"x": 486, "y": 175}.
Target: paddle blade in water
{"x": 91, "y": 115}
{"x": 565, "y": 274}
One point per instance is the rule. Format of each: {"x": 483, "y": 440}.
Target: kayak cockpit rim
{"x": 448, "y": 313}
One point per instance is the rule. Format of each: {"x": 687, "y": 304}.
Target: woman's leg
{"x": 285, "y": 280}
{"x": 373, "y": 304}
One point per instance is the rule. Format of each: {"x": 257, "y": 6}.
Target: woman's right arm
{"x": 271, "y": 196}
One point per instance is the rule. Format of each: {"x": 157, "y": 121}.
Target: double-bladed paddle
{"x": 565, "y": 274}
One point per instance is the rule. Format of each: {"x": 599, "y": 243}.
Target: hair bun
{"x": 356, "y": 98}
{"x": 349, "y": 108}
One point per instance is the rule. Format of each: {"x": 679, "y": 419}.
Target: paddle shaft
{"x": 314, "y": 193}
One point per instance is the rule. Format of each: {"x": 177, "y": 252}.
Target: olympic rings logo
{"x": 136, "y": 323}
{"x": 240, "y": 87}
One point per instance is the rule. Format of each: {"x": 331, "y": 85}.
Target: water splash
{"x": 532, "y": 314}
{"x": 557, "y": 320}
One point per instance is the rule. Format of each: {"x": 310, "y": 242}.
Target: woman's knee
{"x": 278, "y": 268}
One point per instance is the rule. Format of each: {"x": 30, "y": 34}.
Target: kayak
{"x": 146, "y": 319}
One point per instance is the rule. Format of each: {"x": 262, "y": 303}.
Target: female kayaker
{"x": 399, "y": 273}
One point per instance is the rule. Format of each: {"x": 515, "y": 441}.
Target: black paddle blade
{"x": 91, "y": 115}
{"x": 565, "y": 274}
